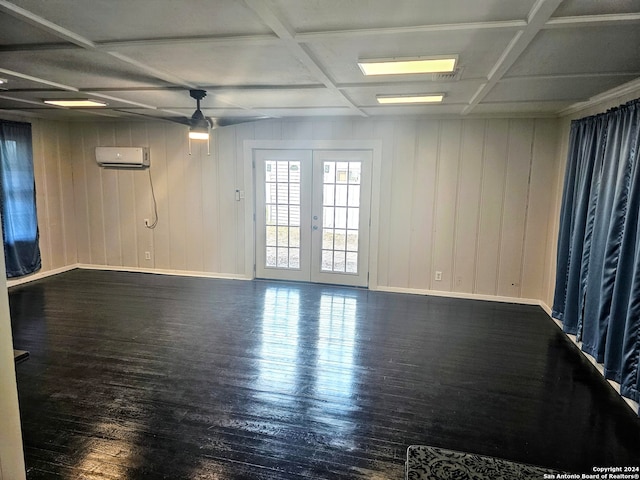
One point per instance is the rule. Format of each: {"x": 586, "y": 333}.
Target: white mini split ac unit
{"x": 122, "y": 157}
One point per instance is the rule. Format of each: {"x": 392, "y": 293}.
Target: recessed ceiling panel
{"x": 554, "y": 89}
{"x": 477, "y": 52}
{"x": 581, "y": 50}
{"x": 213, "y": 64}
{"x": 76, "y": 68}
{"x": 15, "y": 32}
{"x": 342, "y": 15}
{"x": 136, "y": 19}
{"x": 304, "y": 112}
{"x": 571, "y": 8}
{"x": 285, "y": 98}
{"x": 455, "y": 92}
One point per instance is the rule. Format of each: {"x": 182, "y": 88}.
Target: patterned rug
{"x": 431, "y": 463}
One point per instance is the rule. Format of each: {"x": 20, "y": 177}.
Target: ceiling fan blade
{"x": 227, "y": 121}
{"x": 181, "y": 120}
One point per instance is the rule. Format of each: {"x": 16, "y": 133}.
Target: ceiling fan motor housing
{"x": 198, "y": 120}
{"x": 198, "y": 95}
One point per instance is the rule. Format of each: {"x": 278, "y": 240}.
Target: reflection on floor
{"x": 143, "y": 376}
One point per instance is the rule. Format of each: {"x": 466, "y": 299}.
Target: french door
{"x": 312, "y": 215}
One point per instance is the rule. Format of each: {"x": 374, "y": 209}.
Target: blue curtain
{"x": 597, "y": 293}
{"x": 18, "y": 200}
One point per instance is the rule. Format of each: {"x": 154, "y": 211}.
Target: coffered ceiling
{"x": 282, "y": 58}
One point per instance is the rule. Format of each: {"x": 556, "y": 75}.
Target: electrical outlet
{"x": 147, "y": 255}
{"x": 438, "y": 276}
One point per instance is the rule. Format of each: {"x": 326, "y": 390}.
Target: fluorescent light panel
{"x": 83, "y": 102}
{"x": 408, "y": 66}
{"x": 398, "y": 99}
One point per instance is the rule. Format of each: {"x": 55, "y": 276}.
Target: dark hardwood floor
{"x": 143, "y": 376}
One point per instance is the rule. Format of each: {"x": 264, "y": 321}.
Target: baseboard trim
{"x": 156, "y": 271}
{"x": 546, "y": 308}
{"x": 468, "y": 296}
{"x": 39, "y": 275}
{"x": 600, "y": 368}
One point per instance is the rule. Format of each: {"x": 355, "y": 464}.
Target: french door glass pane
{"x": 340, "y": 217}
{"x": 282, "y": 220}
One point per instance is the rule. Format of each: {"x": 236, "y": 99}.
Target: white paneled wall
{"x": 469, "y": 198}
{"x": 54, "y": 194}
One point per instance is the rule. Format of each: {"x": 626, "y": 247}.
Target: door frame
{"x": 249, "y": 146}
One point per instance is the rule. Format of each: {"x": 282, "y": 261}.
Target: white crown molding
{"x": 592, "y": 20}
{"x": 609, "y": 95}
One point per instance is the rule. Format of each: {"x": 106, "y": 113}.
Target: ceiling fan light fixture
{"x": 409, "y": 66}
{"x": 198, "y": 135}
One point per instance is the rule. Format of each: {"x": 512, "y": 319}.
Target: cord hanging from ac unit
{"x": 153, "y": 224}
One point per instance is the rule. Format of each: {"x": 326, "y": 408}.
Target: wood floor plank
{"x": 146, "y": 376}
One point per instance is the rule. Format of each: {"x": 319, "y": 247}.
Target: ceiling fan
{"x": 199, "y": 125}
{"x": 199, "y": 122}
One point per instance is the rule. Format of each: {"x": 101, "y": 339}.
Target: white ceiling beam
{"x": 111, "y": 45}
{"x": 592, "y": 20}
{"x": 562, "y": 76}
{"x": 538, "y": 17}
{"x": 287, "y": 36}
{"x": 217, "y": 40}
{"x": 38, "y": 80}
{"x": 70, "y": 88}
{"x": 445, "y": 27}
{"x": 76, "y": 39}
